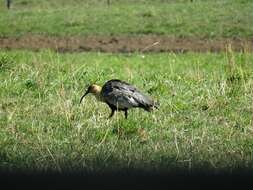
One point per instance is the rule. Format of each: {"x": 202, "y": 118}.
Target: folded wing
{"x": 123, "y": 95}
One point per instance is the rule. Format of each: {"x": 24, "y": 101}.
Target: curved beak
{"x": 83, "y": 96}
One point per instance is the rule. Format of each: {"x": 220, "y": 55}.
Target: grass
{"x": 176, "y": 18}
{"x": 205, "y": 118}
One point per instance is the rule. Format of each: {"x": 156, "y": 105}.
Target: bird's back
{"x": 122, "y": 95}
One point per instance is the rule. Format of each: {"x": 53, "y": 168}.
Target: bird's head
{"x": 93, "y": 89}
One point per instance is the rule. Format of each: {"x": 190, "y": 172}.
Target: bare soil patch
{"x": 123, "y": 44}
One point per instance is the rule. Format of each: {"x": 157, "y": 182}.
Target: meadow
{"x": 204, "y": 121}
{"x": 177, "y": 18}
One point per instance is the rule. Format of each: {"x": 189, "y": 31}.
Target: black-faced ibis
{"x": 121, "y": 96}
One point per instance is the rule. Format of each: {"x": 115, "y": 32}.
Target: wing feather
{"x": 123, "y": 95}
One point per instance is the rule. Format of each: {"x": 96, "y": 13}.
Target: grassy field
{"x": 205, "y": 118}
{"x": 179, "y": 18}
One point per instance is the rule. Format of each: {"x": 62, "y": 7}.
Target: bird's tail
{"x": 152, "y": 107}
{"x": 156, "y": 105}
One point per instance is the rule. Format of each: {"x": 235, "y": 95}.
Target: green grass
{"x": 205, "y": 118}
{"x": 178, "y": 18}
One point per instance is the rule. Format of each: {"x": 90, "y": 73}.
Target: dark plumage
{"x": 121, "y": 96}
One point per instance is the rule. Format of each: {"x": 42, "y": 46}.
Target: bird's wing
{"x": 123, "y": 95}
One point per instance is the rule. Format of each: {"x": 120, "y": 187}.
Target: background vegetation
{"x": 179, "y": 18}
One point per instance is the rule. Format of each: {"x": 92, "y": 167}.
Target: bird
{"x": 121, "y": 96}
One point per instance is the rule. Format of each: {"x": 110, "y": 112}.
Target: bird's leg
{"x": 125, "y": 113}
{"x": 112, "y": 113}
